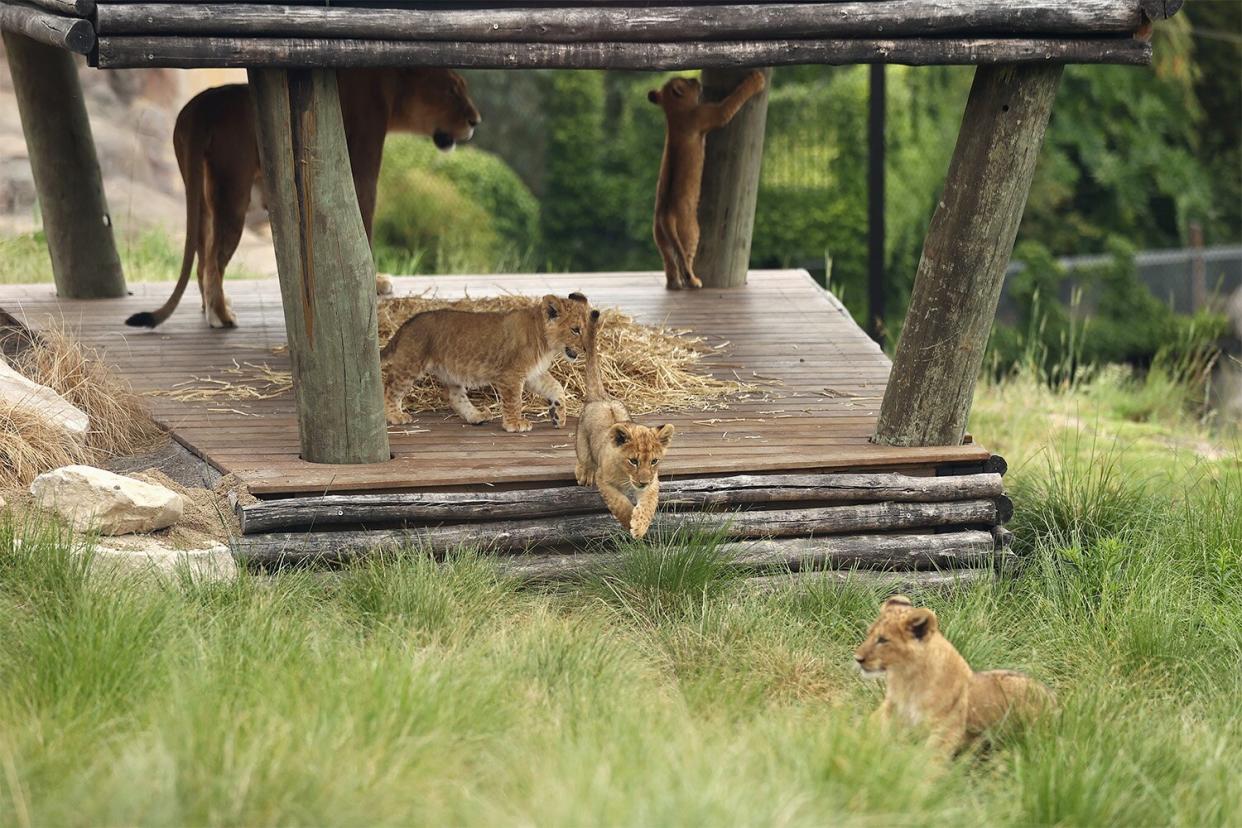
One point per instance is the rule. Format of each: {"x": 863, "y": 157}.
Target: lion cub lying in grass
{"x": 615, "y": 454}
{"x": 472, "y": 349}
{"x": 930, "y": 685}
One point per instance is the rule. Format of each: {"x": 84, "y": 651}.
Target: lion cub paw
{"x": 584, "y": 476}
{"x": 383, "y": 284}
{"x": 695, "y": 282}
{"x": 556, "y": 412}
{"x": 518, "y": 426}
{"x": 398, "y": 418}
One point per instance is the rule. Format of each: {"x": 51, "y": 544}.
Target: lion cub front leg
{"x": 511, "y": 408}
{"x": 617, "y": 503}
{"x": 547, "y": 386}
{"x": 644, "y": 511}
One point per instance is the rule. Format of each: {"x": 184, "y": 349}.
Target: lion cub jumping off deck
{"x": 615, "y": 454}
{"x": 681, "y": 169}
{"x": 472, "y": 349}
{"x": 930, "y": 685}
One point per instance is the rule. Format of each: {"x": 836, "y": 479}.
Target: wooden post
{"x": 964, "y": 258}
{"x": 327, "y": 278}
{"x": 730, "y": 183}
{"x": 875, "y": 202}
{"x": 85, "y": 263}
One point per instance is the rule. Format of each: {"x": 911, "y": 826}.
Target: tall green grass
{"x": 658, "y": 692}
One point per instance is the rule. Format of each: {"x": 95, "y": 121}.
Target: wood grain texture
{"x": 48, "y": 28}
{"x": 76, "y": 221}
{"x": 968, "y": 245}
{"x": 124, "y": 51}
{"x": 675, "y": 495}
{"x": 579, "y": 532}
{"x": 74, "y": 8}
{"x": 730, "y": 190}
{"x": 327, "y": 276}
{"x": 948, "y": 550}
{"x": 569, "y": 23}
{"x": 818, "y": 381}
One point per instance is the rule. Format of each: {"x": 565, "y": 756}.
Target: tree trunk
{"x": 940, "y": 353}
{"x": 730, "y": 183}
{"x": 85, "y": 263}
{"x": 327, "y": 278}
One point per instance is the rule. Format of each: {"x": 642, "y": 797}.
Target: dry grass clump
{"x": 648, "y": 368}
{"x": 118, "y": 423}
{"x": 29, "y": 447}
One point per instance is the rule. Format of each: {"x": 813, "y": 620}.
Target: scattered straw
{"x": 648, "y": 368}
{"x": 244, "y": 381}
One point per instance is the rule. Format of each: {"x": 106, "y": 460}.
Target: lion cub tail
{"x": 595, "y": 390}
{"x": 190, "y": 159}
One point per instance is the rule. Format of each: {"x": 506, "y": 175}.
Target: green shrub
{"x": 464, "y": 211}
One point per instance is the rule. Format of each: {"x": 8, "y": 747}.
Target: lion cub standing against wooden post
{"x": 930, "y": 685}
{"x": 472, "y": 349}
{"x": 681, "y": 170}
{"x": 616, "y": 455}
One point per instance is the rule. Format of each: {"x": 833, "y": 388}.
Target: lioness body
{"x": 615, "y": 454}
{"x": 930, "y": 686}
{"x": 469, "y": 349}
{"x": 688, "y": 120}
{"x": 218, "y": 155}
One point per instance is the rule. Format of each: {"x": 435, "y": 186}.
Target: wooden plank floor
{"x": 781, "y": 326}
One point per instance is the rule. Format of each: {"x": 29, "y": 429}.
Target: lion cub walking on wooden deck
{"x": 930, "y": 685}
{"x": 615, "y": 454}
{"x": 472, "y": 349}
{"x": 681, "y": 169}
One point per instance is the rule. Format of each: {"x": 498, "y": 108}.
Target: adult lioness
{"x": 218, "y": 156}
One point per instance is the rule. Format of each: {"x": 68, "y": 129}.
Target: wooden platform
{"x": 822, "y": 379}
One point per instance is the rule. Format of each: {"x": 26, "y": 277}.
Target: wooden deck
{"x": 823, "y": 381}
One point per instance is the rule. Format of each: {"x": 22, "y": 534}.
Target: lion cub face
{"x": 637, "y": 451}
{"x": 897, "y": 637}
{"x": 565, "y": 321}
{"x": 678, "y": 94}
{"x": 437, "y": 102}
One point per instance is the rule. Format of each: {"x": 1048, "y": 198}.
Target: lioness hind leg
{"x": 462, "y": 405}
{"x": 228, "y": 200}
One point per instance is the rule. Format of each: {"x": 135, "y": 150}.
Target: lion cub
{"x": 930, "y": 685}
{"x": 681, "y": 169}
{"x": 616, "y": 455}
{"x": 471, "y": 349}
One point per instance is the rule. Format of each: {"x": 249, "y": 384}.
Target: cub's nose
{"x": 859, "y": 659}
{"x": 474, "y": 122}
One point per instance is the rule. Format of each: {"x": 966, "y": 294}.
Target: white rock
{"x": 214, "y": 563}
{"x": 94, "y": 499}
{"x": 19, "y": 391}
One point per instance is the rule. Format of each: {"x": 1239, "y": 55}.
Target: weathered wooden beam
{"x": 75, "y": 8}
{"x": 85, "y": 264}
{"x": 968, "y": 245}
{"x": 675, "y": 495}
{"x": 520, "y": 23}
{"x": 895, "y": 552}
{"x": 730, "y": 183}
{"x": 502, "y": 536}
{"x": 327, "y": 278}
{"x": 121, "y": 51}
{"x": 895, "y": 582}
{"x": 71, "y": 33}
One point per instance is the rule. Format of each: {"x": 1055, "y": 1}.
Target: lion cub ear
{"x": 665, "y": 434}
{"x": 896, "y": 601}
{"x": 921, "y": 623}
{"x": 654, "y": 96}
{"x": 578, "y": 297}
{"x": 551, "y": 307}
{"x": 620, "y": 434}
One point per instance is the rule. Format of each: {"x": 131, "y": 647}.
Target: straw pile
{"x": 118, "y": 423}
{"x": 649, "y": 369}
